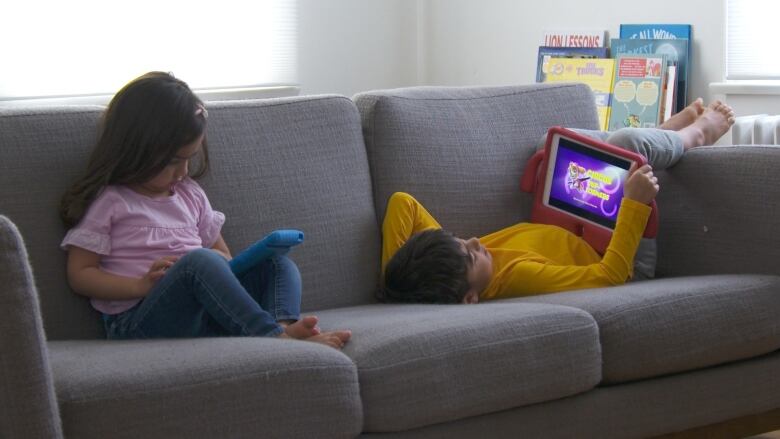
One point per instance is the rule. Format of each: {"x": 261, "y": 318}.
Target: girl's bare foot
{"x": 684, "y": 117}
{"x": 714, "y": 122}
{"x": 304, "y": 328}
{"x": 334, "y": 339}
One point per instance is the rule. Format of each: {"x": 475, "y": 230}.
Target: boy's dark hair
{"x": 429, "y": 268}
{"x": 145, "y": 124}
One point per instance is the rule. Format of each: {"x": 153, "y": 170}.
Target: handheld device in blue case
{"x": 275, "y": 243}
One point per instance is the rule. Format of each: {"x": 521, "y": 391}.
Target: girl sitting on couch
{"x": 145, "y": 245}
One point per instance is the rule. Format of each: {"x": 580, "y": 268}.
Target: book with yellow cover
{"x": 596, "y": 73}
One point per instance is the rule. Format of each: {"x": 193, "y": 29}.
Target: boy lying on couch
{"x": 421, "y": 263}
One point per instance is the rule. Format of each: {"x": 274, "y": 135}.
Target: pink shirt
{"x": 130, "y": 231}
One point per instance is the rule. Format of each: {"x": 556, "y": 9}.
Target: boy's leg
{"x": 197, "y": 296}
{"x": 276, "y": 285}
{"x": 661, "y": 148}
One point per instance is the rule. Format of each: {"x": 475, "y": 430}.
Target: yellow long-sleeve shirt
{"x": 532, "y": 258}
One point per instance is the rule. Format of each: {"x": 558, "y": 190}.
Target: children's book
{"x": 668, "y": 103}
{"x": 548, "y": 52}
{"x": 655, "y": 31}
{"x": 574, "y": 38}
{"x": 596, "y": 73}
{"x": 637, "y": 91}
{"x": 676, "y": 51}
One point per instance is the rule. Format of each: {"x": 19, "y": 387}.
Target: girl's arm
{"x": 86, "y": 278}
{"x": 221, "y": 247}
{"x": 404, "y": 217}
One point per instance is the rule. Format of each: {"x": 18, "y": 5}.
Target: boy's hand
{"x": 642, "y": 185}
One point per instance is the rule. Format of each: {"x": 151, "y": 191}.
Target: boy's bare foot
{"x": 713, "y": 123}
{"x": 304, "y": 328}
{"x": 684, "y": 117}
{"x": 334, "y": 339}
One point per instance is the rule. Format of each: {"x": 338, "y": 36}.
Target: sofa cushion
{"x": 42, "y": 151}
{"x": 461, "y": 151}
{"x": 424, "y": 364}
{"x": 299, "y": 163}
{"x": 718, "y": 212}
{"x": 227, "y": 387}
{"x": 673, "y": 325}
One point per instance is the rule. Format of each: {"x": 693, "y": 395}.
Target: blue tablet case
{"x": 275, "y": 243}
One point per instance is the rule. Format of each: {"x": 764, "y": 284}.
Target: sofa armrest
{"x": 28, "y": 407}
{"x": 719, "y": 211}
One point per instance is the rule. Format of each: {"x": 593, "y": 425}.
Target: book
{"x": 637, "y": 91}
{"x": 669, "y": 100}
{"x": 574, "y": 38}
{"x": 548, "y": 52}
{"x": 596, "y": 73}
{"x": 655, "y": 31}
{"x": 676, "y": 51}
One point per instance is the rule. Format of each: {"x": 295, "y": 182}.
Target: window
{"x": 751, "y": 40}
{"x": 85, "y": 47}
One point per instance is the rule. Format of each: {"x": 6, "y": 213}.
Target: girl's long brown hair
{"x": 145, "y": 124}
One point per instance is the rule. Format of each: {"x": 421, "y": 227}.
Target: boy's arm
{"x": 616, "y": 266}
{"x": 404, "y": 217}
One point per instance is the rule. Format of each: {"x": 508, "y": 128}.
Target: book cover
{"x": 596, "y": 73}
{"x": 637, "y": 91}
{"x": 668, "y": 103}
{"x": 676, "y": 51}
{"x": 574, "y": 38}
{"x": 548, "y": 52}
{"x": 655, "y": 31}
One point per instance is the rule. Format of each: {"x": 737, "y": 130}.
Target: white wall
{"x": 491, "y": 42}
{"x": 347, "y": 46}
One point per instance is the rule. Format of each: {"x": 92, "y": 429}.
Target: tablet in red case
{"x": 578, "y": 184}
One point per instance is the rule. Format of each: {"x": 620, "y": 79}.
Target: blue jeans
{"x": 199, "y": 296}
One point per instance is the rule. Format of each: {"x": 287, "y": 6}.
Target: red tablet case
{"x": 533, "y": 181}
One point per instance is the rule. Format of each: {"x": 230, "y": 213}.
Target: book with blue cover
{"x": 637, "y": 91}
{"x": 676, "y": 51}
{"x": 548, "y": 52}
{"x": 655, "y": 31}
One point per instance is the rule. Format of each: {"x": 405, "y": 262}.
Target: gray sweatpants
{"x": 662, "y": 149}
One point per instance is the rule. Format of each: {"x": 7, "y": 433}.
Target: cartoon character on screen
{"x": 632, "y": 121}
{"x": 577, "y": 177}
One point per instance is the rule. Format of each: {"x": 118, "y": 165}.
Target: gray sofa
{"x": 695, "y": 351}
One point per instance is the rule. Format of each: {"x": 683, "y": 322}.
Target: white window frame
{"x": 225, "y": 50}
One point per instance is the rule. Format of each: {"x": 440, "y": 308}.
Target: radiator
{"x": 757, "y": 129}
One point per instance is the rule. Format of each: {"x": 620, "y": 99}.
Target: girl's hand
{"x": 156, "y": 271}
{"x": 642, "y": 185}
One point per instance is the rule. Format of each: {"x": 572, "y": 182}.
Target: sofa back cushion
{"x": 280, "y": 163}
{"x": 461, "y": 151}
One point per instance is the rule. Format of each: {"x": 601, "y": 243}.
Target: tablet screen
{"x": 586, "y": 182}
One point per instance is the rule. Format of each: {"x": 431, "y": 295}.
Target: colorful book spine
{"x": 637, "y": 92}
{"x": 596, "y": 73}
{"x": 574, "y": 38}
{"x": 546, "y": 53}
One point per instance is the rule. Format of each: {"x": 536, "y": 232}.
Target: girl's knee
{"x": 202, "y": 257}
{"x": 285, "y": 266}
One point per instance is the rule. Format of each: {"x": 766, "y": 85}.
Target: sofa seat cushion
{"x": 210, "y": 387}
{"x": 673, "y": 325}
{"x": 425, "y": 364}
